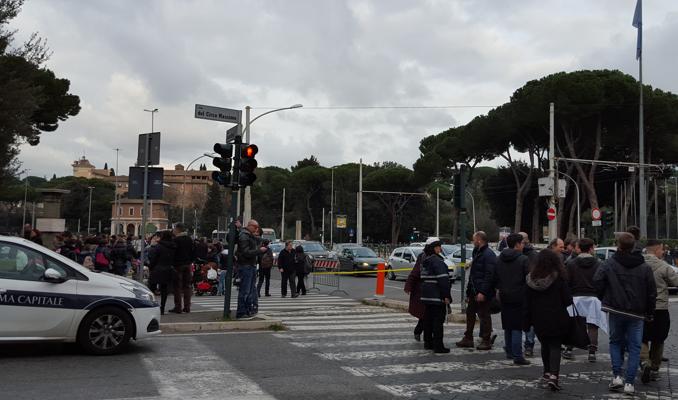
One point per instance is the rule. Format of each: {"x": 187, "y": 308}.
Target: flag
{"x": 638, "y": 23}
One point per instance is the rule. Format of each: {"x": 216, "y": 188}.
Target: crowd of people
{"x": 542, "y": 294}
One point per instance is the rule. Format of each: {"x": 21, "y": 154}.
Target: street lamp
{"x": 89, "y": 214}
{"x": 116, "y": 198}
{"x": 578, "y": 210}
{"x": 23, "y": 223}
{"x": 153, "y": 111}
{"x": 183, "y": 185}
{"x": 247, "y": 212}
{"x": 473, "y": 208}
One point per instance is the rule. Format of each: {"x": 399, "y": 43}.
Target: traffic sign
{"x": 232, "y": 133}
{"x": 595, "y": 214}
{"x": 153, "y": 139}
{"x": 341, "y": 222}
{"x": 596, "y": 222}
{"x": 551, "y": 213}
{"x": 217, "y": 113}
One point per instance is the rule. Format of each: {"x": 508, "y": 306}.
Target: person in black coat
{"x": 512, "y": 268}
{"x": 120, "y": 256}
{"x": 436, "y": 295}
{"x": 161, "y": 260}
{"x": 479, "y": 292}
{"x": 547, "y": 298}
{"x": 287, "y": 270}
{"x": 300, "y": 261}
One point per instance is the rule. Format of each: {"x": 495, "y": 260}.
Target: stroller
{"x": 206, "y": 279}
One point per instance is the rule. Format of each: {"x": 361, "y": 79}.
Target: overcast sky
{"x": 122, "y": 56}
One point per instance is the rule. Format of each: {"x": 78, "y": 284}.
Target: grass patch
{"x": 276, "y": 327}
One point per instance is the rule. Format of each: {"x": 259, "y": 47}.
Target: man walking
{"x": 248, "y": 252}
{"x": 512, "y": 269}
{"x": 531, "y": 253}
{"x": 287, "y": 268}
{"x": 656, "y": 332}
{"x": 626, "y": 286}
{"x": 184, "y": 255}
{"x": 436, "y": 295}
{"x": 265, "y": 265}
{"x": 480, "y": 291}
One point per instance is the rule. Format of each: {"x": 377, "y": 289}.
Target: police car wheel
{"x": 105, "y": 331}
{"x": 391, "y": 275}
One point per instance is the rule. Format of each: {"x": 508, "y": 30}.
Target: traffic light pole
{"x": 232, "y": 231}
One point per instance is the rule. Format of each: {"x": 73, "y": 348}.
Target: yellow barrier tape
{"x": 361, "y": 272}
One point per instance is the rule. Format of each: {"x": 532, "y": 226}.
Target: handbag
{"x": 577, "y": 335}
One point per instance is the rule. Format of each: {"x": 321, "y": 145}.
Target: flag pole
{"x": 642, "y": 194}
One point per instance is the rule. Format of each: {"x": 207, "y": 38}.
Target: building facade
{"x": 128, "y": 214}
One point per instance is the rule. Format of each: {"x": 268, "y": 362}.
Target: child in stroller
{"x": 206, "y": 279}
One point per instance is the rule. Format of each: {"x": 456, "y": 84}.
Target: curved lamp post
{"x": 183, "y": 185}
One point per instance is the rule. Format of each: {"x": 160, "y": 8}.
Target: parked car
{"x": 47, "y": 297}
{"x": 406, "y": 257}
{"x": 339, "y": 247}
{"x": 276, "y": 248}
{"x": 359, "y": 259}
{"x": 603, "y": 253}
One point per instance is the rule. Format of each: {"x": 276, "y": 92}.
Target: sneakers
{"x": 529, "y": 352}
{"x": 465, "y": 343}
{"x": 617, "y": 384}
{"x": 567, "y": 354}
{"x": 629, "y": 389}
{"x": 592, "y": 357}
{"x": 645, "y": 374}
{"x": 521, "y": 361}
{"x": 553, "y": 383}
{"x": 417, "y": 337}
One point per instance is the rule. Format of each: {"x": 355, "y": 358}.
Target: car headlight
{"x": 366, "y": 264}
{"x": 139, "y": 292}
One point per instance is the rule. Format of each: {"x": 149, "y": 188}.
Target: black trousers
{"x": 550, "y": 354}
{"x": 434, "y": 317}
{"x": 301, "y": 283}
{"x": 164, "y": 290}
{"x": 264, "y": 275}
{"x": 288, "y": 277}
{"x": 419, "y": 328}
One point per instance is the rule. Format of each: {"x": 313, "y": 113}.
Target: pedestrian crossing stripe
{"x": 340, "y": 317}
{"x": 374, "y": 333}
{"x": 350, "y": 327}
{"x": 362, "y": 321}
{"x": 335, "y": 311}
{"x": 387, "y": 354}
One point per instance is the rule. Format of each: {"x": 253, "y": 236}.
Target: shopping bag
{"x": 577, "y": 335}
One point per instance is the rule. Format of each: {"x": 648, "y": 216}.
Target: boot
{"x": 484, "y": 345}
{"x": 465, "y": 343}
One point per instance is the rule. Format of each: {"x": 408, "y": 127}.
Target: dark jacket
{"x": 248, "y": 248}
{"x": 286, "y": 260}
{"x": 266, "y": 259}
{"x": 201, "y": 250}
{"x": 413, "y": 285}
{"x": 481, "y": 278}
{"x": 625, "y": 284}
{"x": 435, "y": 285}
{"x": 580, "y": 272}
{"x": 185, "y": 251}
{"x": 300, "y": 260}
{"x": 512, "y": 268}
{"x": 530, "y": 252}
{"x": 119, "y": 258}
{"x": 546, "y": 305}
{"x": 161, "y": 259}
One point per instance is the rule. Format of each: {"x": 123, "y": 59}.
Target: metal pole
{"x": 616, "y": 226}
{"x": 332, "y": 210}
{"x": 23, "y": 222}
{"x": 462, "y": 241}
{"x": 473, "y": 209}
{"x": 282, "y": 218}
{"x": 89, "y": 214}
{"x": 553, "y": 225}
{"x": 247, "y": 212}
{"x": 116, "y": 198}
{"x": 641, "y": 142}
{"x": 231, "y": 236}
{"x": 359, "y": 223}
{"x": 676, "y": 188}
{"x": 322, "y": 236}
{"x": 140, "y": 270}
{"x": 437, "y": 212}
{"x": 33, "y": 216}
{"x": 667, "y": 211}
{"x": 195, "y": 223}
{"x": 656, "y": 209}
{"x": 576, "y": 187}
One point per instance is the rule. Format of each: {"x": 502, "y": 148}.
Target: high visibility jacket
{"x": 435, "y": 285}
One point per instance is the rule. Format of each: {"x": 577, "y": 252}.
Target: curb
{"x": 457, "y": 316}
{"x": 261, "y": 323}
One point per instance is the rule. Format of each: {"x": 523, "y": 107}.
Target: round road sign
{"x": 595, "y": 214}
{"x": 551, "y": 214}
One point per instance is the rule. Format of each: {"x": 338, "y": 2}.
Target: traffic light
{"x": 608, "y": 218}
{"x": 247, "y": 165}
{"x": 224, "y": 163}
{"x": 459, "y": 191}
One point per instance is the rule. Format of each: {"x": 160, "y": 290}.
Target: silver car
{"x": 406, "y": 257}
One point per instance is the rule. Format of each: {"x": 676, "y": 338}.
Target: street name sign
{"x": 234, "y": 132}
{"x": 545, "y": 186}
{"x": 218, "y": 114}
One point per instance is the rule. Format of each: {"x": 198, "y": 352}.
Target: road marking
{"x": 440, "y": 388}
{"x": 350, "y": 327}
{"x": 190, "y": 370}
{"x": 354, "y": 343}
{"x": 340, "y": 317}
{"x": 336, "y": 311}
{"x": 373, "y": 334}
{"x": 374, "y": 355}
{"x": 354, "y": 321}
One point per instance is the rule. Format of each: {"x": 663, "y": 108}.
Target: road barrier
{"x": 381, "y": 274}
{"x": 326, "y": 273}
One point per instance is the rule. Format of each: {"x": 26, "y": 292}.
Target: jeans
{"x": 222, "y": 283}
{"x": 513, "y": 344}
{"x": 529, "y": 338}
{"x": 625, "y": 333}
{"x": 253, "y": 300}
{"x": 264, "y": 275}
{"x": 419, "y": 328}
{"x": 247, "y": 274}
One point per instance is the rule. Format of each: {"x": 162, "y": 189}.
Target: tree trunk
{"x": 394, "y": 228}
{"x": 536, "y": 234}
{"x": 588, "y": 180}
{"x": 310, "y": 214}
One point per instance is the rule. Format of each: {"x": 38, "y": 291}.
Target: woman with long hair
{"x": 548, "y": 296}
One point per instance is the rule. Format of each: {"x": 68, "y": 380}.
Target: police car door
{"x": 29, "y": 305}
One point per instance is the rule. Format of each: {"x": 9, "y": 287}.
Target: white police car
{"x": 47, "y": 297}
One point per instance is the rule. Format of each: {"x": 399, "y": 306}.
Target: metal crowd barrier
{"x": 327, "y": 279}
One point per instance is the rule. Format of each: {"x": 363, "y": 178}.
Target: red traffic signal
{"x": 249, "y": 151}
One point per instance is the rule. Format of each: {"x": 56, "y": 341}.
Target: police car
{"x": 47, "y": 297}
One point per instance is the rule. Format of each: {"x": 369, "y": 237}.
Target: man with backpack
{"x": 265, "y": 265}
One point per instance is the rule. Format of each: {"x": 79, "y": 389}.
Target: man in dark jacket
{"x": 184, "y": 255}
{"x": 531, "y": 254}
{"x": 512, "y": 268}
{"x": 436, "y": 295}
{"x": 265, "y": 265}
{"x": 626, "y": 286}
{"x": 480, "y": 291}
{"x": 249, "y": 250}
{"x": 580, "y": 273}
{"x": 287, "y": 269}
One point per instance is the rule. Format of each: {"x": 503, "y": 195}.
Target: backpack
{"x": 100, "y": 259}
{"x": 308, "y": 265}
{"x": 266, "y": 260}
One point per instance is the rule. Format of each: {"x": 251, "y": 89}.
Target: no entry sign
{"x": 595, "y": 214}
{"x": 551, "y": 213}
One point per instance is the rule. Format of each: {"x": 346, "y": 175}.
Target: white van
{"x": 47, "y": 297}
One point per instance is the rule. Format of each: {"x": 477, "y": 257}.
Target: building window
{"x": 119, "y": 211}
{"x": 131, "y": 211}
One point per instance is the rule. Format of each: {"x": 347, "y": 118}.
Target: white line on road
{"x": 374, "y": 355}
{"x": 440, "y": 388}
{"x": 373, "y": 334}
{"x": 350, "y": 327}
{"x": 353, "y": 321}
{"x": 340, "y": 317}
